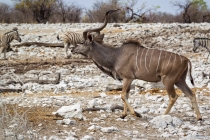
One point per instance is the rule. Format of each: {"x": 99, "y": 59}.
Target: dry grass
{"x": 43, "y": 121}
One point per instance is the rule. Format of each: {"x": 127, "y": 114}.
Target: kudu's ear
{"x": 99, "y": 38}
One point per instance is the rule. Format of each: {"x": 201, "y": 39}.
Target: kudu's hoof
{"x": 199, "y": 119}
{"x": 138, "y": 115}
{"x": 123, "y": 116}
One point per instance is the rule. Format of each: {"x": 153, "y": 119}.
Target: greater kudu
{"x": 133, "y": 61}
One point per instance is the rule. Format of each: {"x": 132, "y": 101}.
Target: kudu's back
{"x": 137, "y": 62}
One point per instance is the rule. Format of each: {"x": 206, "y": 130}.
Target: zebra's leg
{"x": 5, "y": 50}
{"x": 66, "y": 46}
{"x": 1, "y": 49}
{"x": 207, "y": 58}
{"x": 71, "y": 47}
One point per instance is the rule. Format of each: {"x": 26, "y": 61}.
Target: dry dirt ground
{"x": 41, "y": 120}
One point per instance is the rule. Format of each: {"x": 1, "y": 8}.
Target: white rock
{"x": 66, "y": 122}
{"x": 103, "y": 94}
{"x": 164, "y": 105}
{"x": 28, "y": 92}
{"x": 208, "y": 85}
{"x": 73, "y": 111}
{"x": 142, "y": 110}
{"x": 71, "y": 138}
{"x": 109, "y": 129}
{"x": 93, "y": 103}
{"x": 161, "y": 121}
{"x": 94, "y": 128}
{"x": 54, "y": 138}
{"x": 166, "y": 135}
{"x": 176, "y": 122}
{"x": 88, "y": 137}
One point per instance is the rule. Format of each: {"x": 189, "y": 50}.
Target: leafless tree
{"x": 75, "y": 13}
{"x": 68, "y": 12}
{"x": 192, "y": 10}
{"x": 100, "y": 7}
{"x": 206, "y": 17}
{"x": 4, "y": 12}
{"x": 185, "y": 7}
{"x": 139, "y": 15}
{"x": 163, "y": 17}
{"x": 41, "y": 9}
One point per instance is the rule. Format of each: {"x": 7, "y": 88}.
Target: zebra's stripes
{"x": 7, "y": 38}
{"x": 70, "y": 38}
{"x": 203, "y": 42}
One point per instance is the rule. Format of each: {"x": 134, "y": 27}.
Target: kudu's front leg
{"x": 172, "y": 97}
{"x": 124, "y": 96}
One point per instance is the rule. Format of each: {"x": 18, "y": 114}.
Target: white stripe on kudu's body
{"x": 146, "y": 61}
{"x": 151, "y": 57}
{"x": 137, "y": 58}
{"x": 158, "y": 61}
{"x": 142, "y": 52}
{"x": 168, "y": 60}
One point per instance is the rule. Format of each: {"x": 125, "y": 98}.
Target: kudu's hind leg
{"x": 186, "y": 90}
{"x": 172, "y": 96}
{"x": 124, "y": 96}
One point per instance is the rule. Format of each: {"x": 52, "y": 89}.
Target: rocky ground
{"x": 58, "y": 110}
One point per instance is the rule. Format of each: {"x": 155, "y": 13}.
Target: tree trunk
{"x": 40, "y": 44}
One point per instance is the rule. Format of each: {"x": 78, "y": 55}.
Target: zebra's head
{"x": 16, "y": 35}
{"x": 196, "y": 43}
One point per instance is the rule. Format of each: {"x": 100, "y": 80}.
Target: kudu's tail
{"x": 190, "y": 70}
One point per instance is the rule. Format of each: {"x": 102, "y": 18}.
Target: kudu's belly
{"x": 149, "y": 77}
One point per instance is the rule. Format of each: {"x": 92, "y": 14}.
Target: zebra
{"x": 69, "y": 38}
{"x": 7, "y": 38}
{"x": 203, "y": 42}
{"x": 74, "y": 38}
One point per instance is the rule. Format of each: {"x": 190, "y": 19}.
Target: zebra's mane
{"x": 203, "y": 38}
{"x": 9, "y": 32}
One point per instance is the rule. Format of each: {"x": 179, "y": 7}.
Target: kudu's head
{"x": 86, "y": 48}
{"x": 89, "y": 38}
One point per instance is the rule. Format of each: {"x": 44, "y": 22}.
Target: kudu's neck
{"x": 103, "y": 55}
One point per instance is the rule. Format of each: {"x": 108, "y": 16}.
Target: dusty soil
{"x": 41, "y": 119}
